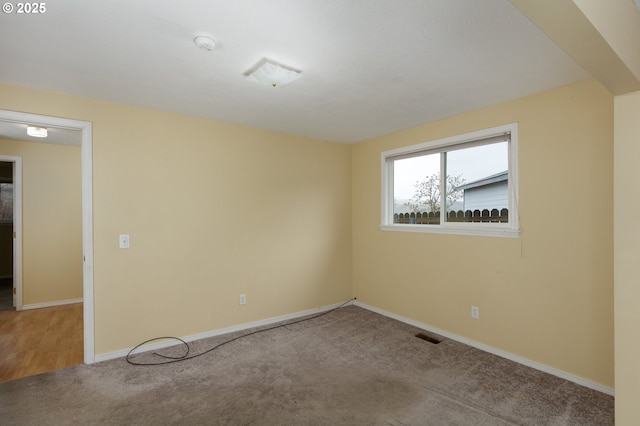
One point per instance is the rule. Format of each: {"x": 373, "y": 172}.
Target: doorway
{"x": 10, "y": 121}
{"x": 7, "y": 296}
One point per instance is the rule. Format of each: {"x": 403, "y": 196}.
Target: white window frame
{"x": 505, "y": 230}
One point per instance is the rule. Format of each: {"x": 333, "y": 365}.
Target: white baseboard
{"x": 538, "y": 366}
{"x": 50, "y": 304}
{"x": 545, "y": 368}
{"x": 164, "y": 344}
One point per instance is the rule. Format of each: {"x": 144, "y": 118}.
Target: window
{"x": 6, "y": 202}
{"x": 477, "y": 196}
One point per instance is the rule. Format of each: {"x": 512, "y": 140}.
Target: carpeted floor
{"x": 350, "y": 367}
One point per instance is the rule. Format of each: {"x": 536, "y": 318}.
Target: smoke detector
{"x": 205, "y": 42}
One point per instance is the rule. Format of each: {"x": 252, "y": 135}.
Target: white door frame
{"x": 87, "y": 212}
{"x": 17, "y": 227}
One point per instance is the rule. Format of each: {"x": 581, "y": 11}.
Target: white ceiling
{"x": 370, "y": 67}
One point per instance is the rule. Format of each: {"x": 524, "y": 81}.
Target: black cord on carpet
{"x": 185, "y": 357}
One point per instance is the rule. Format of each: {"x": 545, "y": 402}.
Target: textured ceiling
{"x": 370, "y": 67}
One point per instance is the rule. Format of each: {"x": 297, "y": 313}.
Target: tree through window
{"x": 476, "y": 195}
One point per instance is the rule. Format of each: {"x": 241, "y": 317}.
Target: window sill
{"x": 484, "y": 231}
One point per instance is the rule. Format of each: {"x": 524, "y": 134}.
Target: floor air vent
{"x": 428, "y": 338}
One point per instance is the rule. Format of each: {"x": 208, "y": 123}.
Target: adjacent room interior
{"x": 6, "y": 236}
{"x": 218, "y": 204}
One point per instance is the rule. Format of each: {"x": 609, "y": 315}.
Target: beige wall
{"x": 51, "y": 220}
{"x": 213, "y": 210}
{"x": 627, "y": 253}
{"x": 547, "y": 296}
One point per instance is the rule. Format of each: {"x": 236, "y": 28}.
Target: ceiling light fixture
{"x": 272, "y": 74}
{"x": 37, "y": 132}
{"x": 205, "y": 42}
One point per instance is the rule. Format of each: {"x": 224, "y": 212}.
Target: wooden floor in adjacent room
{"x": 39, "y": 340}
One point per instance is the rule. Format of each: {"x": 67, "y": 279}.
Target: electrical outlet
{"x": 243, "y": 299}
{"x": 124, "y": 241}
{"x": 475, "y": 312}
